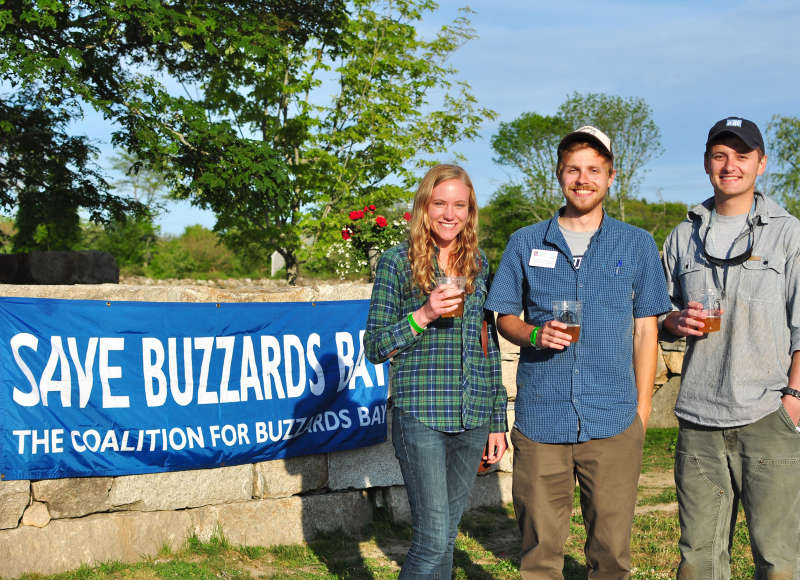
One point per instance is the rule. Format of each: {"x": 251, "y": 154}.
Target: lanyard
{"x": 725, "y": 263}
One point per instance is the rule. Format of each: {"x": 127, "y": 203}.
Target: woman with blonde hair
{"x": 449, "y": 403}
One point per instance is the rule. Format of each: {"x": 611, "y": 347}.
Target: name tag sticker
{"x": 543, "y": 258}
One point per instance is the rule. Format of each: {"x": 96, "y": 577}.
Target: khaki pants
{"x": 607, "y": 471}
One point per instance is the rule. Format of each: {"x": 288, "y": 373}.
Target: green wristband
{"x": 534, "y": 332}
{"x": 413, "y": 323}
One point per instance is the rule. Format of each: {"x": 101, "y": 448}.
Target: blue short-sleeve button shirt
{"x": 588, "y": 390}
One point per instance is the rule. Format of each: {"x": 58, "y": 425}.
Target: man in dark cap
{"x": 583, "y": 403}
{"x": 739, "y": 401}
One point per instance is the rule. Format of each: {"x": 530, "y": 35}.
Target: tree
{"x": 659, "y": 218}
{"x": 509, "y": 209}
{"x": 132, "y": 240}
{"x": 286, "y": 134}
{"x": 96, "y": 51}
{"x": 277, "y": 114}
{"x": 53, "y": 55}
{"x": 383, "y": 122}
{"x": 48, "y": 175}
{"x": 783, "y": 147}
{"x": 528, "y": 144}
{"x": 628, "y": 122}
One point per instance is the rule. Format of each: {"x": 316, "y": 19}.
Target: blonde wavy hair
{"x": 464, "y": 258}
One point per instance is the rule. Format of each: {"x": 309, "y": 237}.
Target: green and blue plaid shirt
{"x": 440, "y": 376}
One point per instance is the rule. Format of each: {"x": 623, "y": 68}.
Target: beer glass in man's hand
{"x": 569, "y": 312}
{"x": 710, "y": 300}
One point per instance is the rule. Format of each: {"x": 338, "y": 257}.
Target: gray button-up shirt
{"x": 733, "y": 377}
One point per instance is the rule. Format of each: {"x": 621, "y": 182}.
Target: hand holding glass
{"x": 459, "y": 282}
{"x": 711, "y": 302}
{"x": 569, "y": 312}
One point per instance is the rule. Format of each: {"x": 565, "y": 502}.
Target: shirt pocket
{"x": 692, "y": 278}
{"x": 763, "y": 280}
{"x": 615, "y": 292}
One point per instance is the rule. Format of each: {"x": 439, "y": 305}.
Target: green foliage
{"x": 508, "y": 210}
{"x": 197, "y": 253}
{"x": 265, "y": 146}
{"x": 658, "y": 218}
{"x": 48, "y": 175}
{"x": 6, "y": 232}
{"x": 95, "y": 52}
{"x": 783, "y": 161}
{"x": 396, "y": 106}
{"x": 131, "y": 242}
{"x": 528, "y": 144}
{"x": 231, "y": 102}
{"x": 56, "y": 56}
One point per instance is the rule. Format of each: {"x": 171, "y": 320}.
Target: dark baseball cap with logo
{"x": 745, "y": 130}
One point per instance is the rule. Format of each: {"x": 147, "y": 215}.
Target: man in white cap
{"x": 739, "y": 401}
{"x": 582, "y": 406}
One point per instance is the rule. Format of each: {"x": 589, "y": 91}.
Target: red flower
{"x": 369, "y": 208}
{"x": 356, "y": 214}
{"x": 345, "y": 234}
{"x": 381, "y": 221}
{"x": 407, "y": 216}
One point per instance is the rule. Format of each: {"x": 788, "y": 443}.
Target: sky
{"x": 694, "y": 62}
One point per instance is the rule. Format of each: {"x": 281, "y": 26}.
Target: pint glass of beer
{"x": 459, "y": 282}
{"x": 711, "y": 299}
{"x": 569, "y": 312}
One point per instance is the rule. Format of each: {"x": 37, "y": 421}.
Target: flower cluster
{"x": 365, "y": 236}
{"x": 365, "y": 229}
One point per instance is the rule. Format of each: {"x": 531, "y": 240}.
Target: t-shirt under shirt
{"x": 577, "y": 242}
{"x": 725, "y": 237}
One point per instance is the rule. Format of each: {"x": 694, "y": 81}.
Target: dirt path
{"x": 656, "y": 492}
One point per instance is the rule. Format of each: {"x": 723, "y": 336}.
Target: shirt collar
{"x": 764, "y": 210}
{"x": 554, "y": 235}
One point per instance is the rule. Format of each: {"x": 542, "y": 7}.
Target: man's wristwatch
{"x": 791, "y": 392}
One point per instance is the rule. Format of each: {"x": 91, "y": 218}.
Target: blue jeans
{"x": 438, "y": 470}
{"x": 715, "y": 469}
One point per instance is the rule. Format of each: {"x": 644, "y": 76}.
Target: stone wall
{"x": 48, "y": 526}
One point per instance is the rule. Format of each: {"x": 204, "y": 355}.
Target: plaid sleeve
{"x": 387, "y": 330}
{"x": 499, "y": 419}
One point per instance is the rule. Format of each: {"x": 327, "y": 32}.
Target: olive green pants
{"x": 715, "y": 469}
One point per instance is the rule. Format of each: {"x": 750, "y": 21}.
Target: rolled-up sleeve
{"x": 499, "y": 421}
{"x": 388, "y": 331}
{"x": 793, "y": 292}
{"x": 670, "y": 259}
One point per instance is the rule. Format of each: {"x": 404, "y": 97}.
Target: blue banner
{"x": 113, "y": 388}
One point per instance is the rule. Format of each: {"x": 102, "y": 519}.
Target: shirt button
{"x": 577, "y": 371}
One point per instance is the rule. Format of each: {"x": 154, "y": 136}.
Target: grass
{"x": 487, "y": 547}
{"x": 659, "y": 449}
